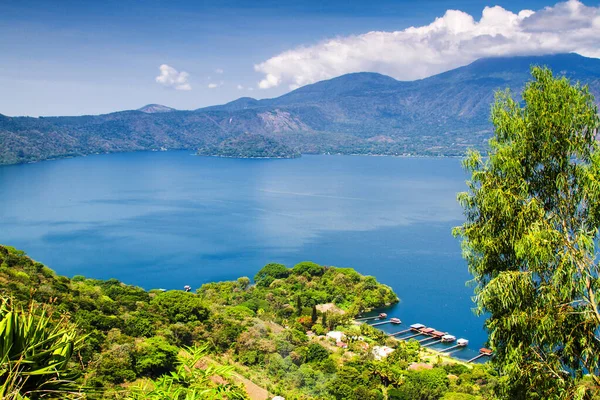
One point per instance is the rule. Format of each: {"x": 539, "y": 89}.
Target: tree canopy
{"x": 530, "y": 239}
{"x": 270, "y": 272}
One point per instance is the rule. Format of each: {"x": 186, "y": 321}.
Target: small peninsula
{"x": 249, "y": 146}
{"x": 109, "y": 340}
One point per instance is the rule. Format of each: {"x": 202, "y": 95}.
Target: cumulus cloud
{"x": 170, "y": 77}
{"x": 240, "y": 87}
{"x": 219, "y": 71}
{"x": 450, "y": 41}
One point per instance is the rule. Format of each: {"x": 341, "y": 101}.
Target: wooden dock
{"x": 477, "y": 357}
{"x": 400, "y": 333}
{"x": 455, "y": 350}
{"x": 381, "y": 323}
{"x": 367, "y": 318}
{"x": 435, "y": 340}
{"x": 483, "y": 352}
{"x": 412, "y": 336}
{"x": 431, "y": 336}
{"x": 452, "y": 348}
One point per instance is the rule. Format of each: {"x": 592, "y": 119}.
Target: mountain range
{"x": 359, "y": 113}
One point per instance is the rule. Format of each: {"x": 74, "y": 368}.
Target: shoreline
{"x": 66, "y": 157}
{"x": 432, "y": 351}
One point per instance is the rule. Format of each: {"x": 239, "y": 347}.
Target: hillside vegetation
{"x": 128, "y": 343}
{"x": 361, "y": 113}
{"x": 249, "y": 146}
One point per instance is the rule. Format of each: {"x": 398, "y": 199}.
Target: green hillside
{"x": 128, "y": 343}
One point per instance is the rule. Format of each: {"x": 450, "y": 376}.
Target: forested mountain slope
{"x": 360, "y": 113}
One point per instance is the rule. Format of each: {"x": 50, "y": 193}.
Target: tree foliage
{"x": 308, "y": 268}
{"x": 428, "y": 384}
{"x": 188, "y": 382}
{"x": 270, "y": 272}
{"x": 180, "y": 306}
{"x": 530, "y": 239}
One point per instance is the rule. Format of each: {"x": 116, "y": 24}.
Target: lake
{"x": 169, "y": 219}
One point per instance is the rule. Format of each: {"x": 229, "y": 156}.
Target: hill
{"x": 360, "y": 113}
{"x": 124, "y": 342}
{"x": 155, "y": 108}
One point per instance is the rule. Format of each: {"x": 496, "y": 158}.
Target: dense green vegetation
{"x": 360, "y": 113}
{"x": 108, "y": 340}
{"x": 533, "y": 218}
{"x": 249, "y": 146}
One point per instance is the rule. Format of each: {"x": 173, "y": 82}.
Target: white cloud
{"x": 240, "y": 87}
{"x": 450, "y": 41}
{"x": 170, "y": 77}
{"x": 214, "y": 85}
{"x": 219, "y": 71}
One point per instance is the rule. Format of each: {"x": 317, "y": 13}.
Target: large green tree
{"x": 530, "y": 239}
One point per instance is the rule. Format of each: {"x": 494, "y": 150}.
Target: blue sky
{"x": 67, "y": 57}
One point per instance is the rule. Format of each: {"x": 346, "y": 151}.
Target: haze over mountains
{"x": 360, "y": 113}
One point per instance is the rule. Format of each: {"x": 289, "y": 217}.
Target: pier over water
{"x": 429, "y": 337}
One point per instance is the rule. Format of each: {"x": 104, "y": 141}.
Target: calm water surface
{"x": 168, "y": 219}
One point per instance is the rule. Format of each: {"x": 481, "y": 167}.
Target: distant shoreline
{"x": 232, "y": 157}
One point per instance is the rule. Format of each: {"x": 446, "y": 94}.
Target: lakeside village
{"x": 425, "y": 336}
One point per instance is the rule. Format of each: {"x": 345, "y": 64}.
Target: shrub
{"x": 180, "y": 306}
{"x": 154, "y": 357}
{"x": 269, "y": 273}
{"x": 316, "y": 352}
{"x": 309, "y": 268}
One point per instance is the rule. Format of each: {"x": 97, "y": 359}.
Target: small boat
{"x": 417, "y": 327}
{"x": 382, "y": 316}
{"x": 448, "y": 339}
{"x": 462, "y": 342}
{"x": 395, "y": 321}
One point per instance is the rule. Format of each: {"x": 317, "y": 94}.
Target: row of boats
{"x": 444, "y": 337}
{"x": 392, "y": 320}
{"x": 420, "y": 329}
{"x": 432, "y": 335}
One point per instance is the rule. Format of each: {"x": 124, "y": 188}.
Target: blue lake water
{"x": 169, "y": 219}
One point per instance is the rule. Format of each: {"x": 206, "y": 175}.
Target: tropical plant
{"x": 530, "y": 239}
{"x": 35, "y": 351}
{"x": 385, "y": 373}
{"x": 189, "y": 382}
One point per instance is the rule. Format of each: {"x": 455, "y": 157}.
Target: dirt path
{"x": 254, "y": 391}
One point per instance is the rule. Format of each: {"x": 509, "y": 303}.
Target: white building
{"x": 336, "y": 335}
{"x": 382, "y": 352}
